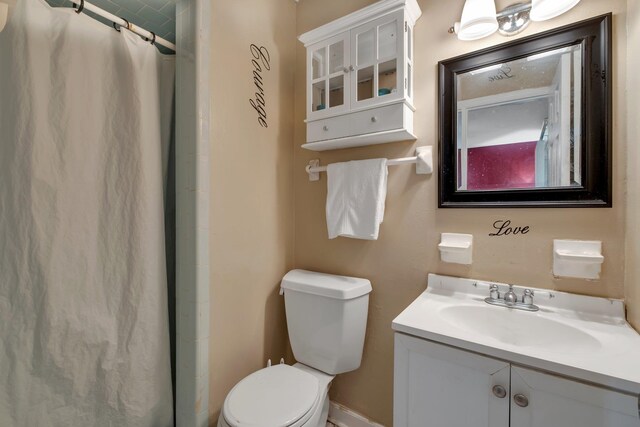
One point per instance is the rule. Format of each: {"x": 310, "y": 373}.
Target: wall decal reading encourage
{"x": 503, "y": 228}
{"x": 261, "y": 63}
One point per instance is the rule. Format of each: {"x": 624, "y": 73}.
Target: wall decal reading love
{"x": 503, "y": 228}
{"x": 261, "y": 63}
{"x": 504, "y": 74}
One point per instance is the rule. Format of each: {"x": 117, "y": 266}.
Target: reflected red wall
{"x": 502, "y": 166}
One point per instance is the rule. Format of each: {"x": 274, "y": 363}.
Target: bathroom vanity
{"x": 460, "y": 361}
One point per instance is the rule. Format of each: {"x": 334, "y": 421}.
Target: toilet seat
{"x": 278, "y": 396}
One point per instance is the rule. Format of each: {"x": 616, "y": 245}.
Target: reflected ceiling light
{"x": 549, "y": 53}
{"x": 479, "y": 17}
{"x": 486, "y": 69}
{"x": 541, "y": 10}
{"x": 478, "y": 20}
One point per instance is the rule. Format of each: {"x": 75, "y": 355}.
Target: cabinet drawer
{"x": 360, "y": 123}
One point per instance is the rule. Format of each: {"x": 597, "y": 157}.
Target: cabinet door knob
{"x": 345, "y": 70}
{"x": 374, "y": 119}
{"x": 499, "y": 391}
{"x": 521, "y": 400}
{"x": 351, "y": 68}
{"x": 325, "y": 127}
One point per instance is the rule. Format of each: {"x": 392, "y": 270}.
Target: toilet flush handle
{"x": 281, "y": 291}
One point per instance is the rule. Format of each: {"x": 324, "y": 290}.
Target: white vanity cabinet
{"x": 360, "y": 77}
{"x": 437, "y": 386}
{"x": 441, "y": 386}
{"x": 548, "y": 400}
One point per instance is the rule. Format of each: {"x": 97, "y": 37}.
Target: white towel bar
{"x": 423, "y": 161}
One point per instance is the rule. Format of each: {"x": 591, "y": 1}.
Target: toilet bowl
{"x": 326, "y": 320}
{"x": 279, "y": 396}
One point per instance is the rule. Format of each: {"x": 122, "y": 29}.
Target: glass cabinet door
{"x": 377, "y": 52}
{"x": 328, "y": 71}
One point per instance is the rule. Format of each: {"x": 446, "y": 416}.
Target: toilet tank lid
{"x": 327, "y": 285}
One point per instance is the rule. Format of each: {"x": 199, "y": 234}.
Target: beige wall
{"x": 632, "y": 277}
{"x": 251, "y": 190}
{"x": 398, "y": 263}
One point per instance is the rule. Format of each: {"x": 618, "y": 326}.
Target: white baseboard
{"x": 345, "y": 417}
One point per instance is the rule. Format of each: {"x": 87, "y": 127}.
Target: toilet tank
{"x": 326, "y": 319}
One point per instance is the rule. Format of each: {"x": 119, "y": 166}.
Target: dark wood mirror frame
{"x": 595, "y": 37}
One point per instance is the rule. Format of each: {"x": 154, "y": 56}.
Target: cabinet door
{"x": 439, "y": 386}
{"x": 327, "y": 77}
{"x": 377, "y": 56}
{"x": 542, "y": 400}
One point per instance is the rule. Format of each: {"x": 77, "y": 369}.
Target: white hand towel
{"x": 356, "y": 193}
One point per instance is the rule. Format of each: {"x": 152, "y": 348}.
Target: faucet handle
{"x": 527, "y": 297}
{"x": 494, "y": 291}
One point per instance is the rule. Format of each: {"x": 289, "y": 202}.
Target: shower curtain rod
{"x": 83, "y": 4}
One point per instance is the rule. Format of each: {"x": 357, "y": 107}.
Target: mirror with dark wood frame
{"x": 528, "y": 123}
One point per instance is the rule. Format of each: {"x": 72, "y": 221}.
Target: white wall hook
{"x": 456, "y": 248}
{"x": 577, "y": 258}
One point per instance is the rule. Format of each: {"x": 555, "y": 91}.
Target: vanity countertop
{"x": 582, "y": 337}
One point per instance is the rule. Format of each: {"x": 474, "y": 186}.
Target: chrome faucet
{"x": 510, "y": 299}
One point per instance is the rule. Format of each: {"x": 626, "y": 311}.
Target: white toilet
{"x": 326, "y": 319}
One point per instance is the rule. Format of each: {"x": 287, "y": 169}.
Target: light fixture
{"x": 541, "y": 10}
{"x": 514, "y": 19}
{"x": 478, "y": 20}
{"x": 479, "y": 17}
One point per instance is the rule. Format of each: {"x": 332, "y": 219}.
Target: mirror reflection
{"x": 519, "y": 123}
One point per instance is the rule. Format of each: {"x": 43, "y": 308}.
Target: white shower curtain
{"x": 85, "y": 120}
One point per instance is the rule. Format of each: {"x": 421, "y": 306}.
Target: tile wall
{"x": 192, "y": 213}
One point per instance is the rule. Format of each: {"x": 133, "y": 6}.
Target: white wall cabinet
{"x": 441, "y": 386}
{"x": 360, "y": 77}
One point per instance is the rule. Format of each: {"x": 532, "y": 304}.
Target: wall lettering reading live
{"x": 261, "y": 64}
{"x": 503, "y": 228}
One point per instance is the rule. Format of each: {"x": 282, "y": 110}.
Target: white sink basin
{"x": 520, "y": 328}
{"x": 581, "y": 337}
